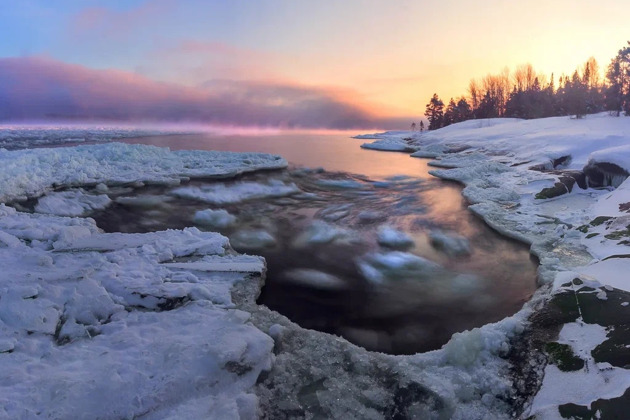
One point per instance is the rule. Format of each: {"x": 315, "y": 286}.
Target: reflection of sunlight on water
{"x": 411, "y": 310}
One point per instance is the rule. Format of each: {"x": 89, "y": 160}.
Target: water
{"x": 324, "y": 283}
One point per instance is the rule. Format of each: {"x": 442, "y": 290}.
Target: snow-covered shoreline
{"x": 522, "y": 178}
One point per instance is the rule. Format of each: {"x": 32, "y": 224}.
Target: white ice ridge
{"x": 32, "y": 172}
{"x": 123, "y": 325}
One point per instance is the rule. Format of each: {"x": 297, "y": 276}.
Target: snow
{"x": 235, "y": 193}
{"x": 586, "y": 385}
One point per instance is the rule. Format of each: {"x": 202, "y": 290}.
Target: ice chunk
{"x": 214, "y": 218}
{"x": 314, "y": 278}
{"x": 237, "y": 192}
{"x": 320, "y": 232}
{"x": 380, "y": 267}
{"x": 71, "y": 203}
{"x": 252, "y": 239}
{"x": 144, "y": 201}
{"x": 450, "y": 243}
{"x": 394, "y": 238}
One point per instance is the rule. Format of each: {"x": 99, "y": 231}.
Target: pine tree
{"x": 435, "y": 112}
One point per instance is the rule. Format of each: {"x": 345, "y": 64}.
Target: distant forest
{"x": 528, "y": 94}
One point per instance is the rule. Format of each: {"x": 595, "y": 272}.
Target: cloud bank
{"x": 45, "y": 89}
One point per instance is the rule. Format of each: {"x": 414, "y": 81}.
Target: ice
{"x": 252, "y": 239}
{"x": 394, "y": 238}
{"x": 143, "y": 201}
{"x": 33, "y": 172}
{"x": 237, "y": 192}
{"x": 218, "y": 218}
{"x": 71, "y": 203}
{"x": 379, "y": 268}
{"x": 101, "y": 327}
{"x": 23, "y": 136}
{"x": 450, "y": 243}
{"x": 314, "y": 278}
{"x": 320, "y": 232}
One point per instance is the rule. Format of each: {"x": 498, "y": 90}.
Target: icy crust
{"x": 23, "y": 136}
{"x": 123, "y": 325}
{"x": 33, "y": 172}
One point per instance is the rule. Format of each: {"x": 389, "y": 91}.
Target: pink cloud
{"x": 37, "y": 88}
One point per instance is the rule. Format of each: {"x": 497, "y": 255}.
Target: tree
{"x": 421, "y": 126}
{"x": 435, "y": 112}
{"x": 576, "y": 95}
{"x": 618, "y": 75}
{"x": 413, "y": 126}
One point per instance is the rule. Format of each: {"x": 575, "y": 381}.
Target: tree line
{"x": 525, "y": 93}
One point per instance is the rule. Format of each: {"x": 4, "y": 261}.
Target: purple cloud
{"x": 44, "y": 89}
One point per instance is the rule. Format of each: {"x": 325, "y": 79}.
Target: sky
{"x": 294, "y": 63}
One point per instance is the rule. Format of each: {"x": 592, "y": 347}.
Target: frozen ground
{"x": 560, "y": 185}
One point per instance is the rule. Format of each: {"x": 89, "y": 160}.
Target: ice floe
{"x": 218, "y": 218}
{"x": 237, "y": 192}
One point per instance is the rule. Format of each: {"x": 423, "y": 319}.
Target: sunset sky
{"x": 338, "y": 64}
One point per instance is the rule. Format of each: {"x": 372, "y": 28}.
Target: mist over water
{"x": 326, "y": 267}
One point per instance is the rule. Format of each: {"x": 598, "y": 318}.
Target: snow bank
{"x": 32, "y": 172}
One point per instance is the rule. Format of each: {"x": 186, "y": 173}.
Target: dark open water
{"x": 320, "y": 284}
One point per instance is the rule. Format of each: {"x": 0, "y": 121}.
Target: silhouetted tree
{"x": 435, "y": 112}
{"x": 618, "y": 75}
{"x": 421, "y": 126}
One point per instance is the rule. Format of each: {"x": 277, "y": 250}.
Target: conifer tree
{"x": 435, "y": 112}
